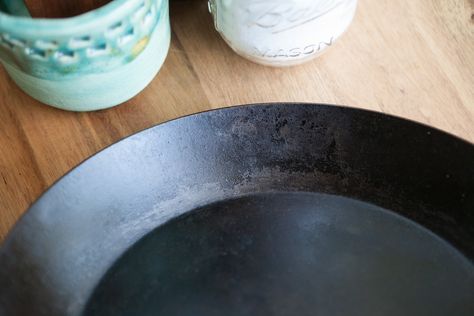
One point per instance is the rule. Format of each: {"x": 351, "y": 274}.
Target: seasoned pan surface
{"x": 278, "y": 209}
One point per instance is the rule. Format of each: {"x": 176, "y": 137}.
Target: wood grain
{"x": 410, "y": 58}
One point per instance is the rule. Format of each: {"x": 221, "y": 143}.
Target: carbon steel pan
{"x": 271, "y": 209}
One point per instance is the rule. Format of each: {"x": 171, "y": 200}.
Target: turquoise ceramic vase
{"x": 92, "y": 61}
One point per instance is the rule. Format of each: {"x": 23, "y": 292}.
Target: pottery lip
{"x": 103, "y": 17}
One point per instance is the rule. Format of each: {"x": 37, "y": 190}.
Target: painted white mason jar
{"x": 281, "y": 32}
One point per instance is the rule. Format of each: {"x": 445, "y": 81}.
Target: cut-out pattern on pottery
{"x": 97, "y": 51}
{"x": 88, "y": 62}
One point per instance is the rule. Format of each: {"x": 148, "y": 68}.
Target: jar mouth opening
{"x": 31, "y": 28}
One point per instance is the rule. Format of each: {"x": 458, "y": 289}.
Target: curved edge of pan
{"x": 68, "y": 238}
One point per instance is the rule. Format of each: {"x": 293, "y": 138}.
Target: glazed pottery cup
{"x": 88, "y": 62}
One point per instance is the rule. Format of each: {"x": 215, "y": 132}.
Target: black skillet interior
{"x": 278, "y": 209}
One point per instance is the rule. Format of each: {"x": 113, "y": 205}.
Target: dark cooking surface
{"x": 288, "y": 254}
{"x": 52, "y": 261}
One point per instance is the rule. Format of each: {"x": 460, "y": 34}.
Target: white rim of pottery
{"x": 32, "y": 28}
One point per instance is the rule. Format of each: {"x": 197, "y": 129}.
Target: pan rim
{"x": 12, "y": 230}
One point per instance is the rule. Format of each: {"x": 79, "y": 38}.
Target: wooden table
{"x": 411, "y": 58}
